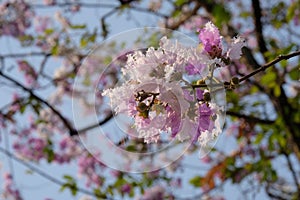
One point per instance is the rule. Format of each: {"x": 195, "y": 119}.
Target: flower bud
{"x": 213, "y": 117}
{"x": 206, "y": 97}
{"x": 235, "y": 81}
{"x": 142, "y": 107}
{"x": 200, "y": 82}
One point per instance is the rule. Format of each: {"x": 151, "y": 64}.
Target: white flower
{"x": 235, "y": 49}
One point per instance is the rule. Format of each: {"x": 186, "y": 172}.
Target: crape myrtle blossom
{"x": 157, "y": 94}
{"x": 29, "y": 72}
{"x": 212, "y": 44}
{"x": 14, "y": 18}
{"x": 9, "y": 189}
{"x": 154, "y": 193}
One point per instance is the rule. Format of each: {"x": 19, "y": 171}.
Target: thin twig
{"x": 269, "y": 64}
{"x": 105, "y": 120}
{"x": 249, "y": 118}
{"x": 258, "y": 26}
{"x": 72, "y": 131}
{"x": 42, "y": 173}
{"x": 17, "y": 55}
{"x": 292, "y": 171}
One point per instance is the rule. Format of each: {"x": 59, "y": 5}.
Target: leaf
{"x": 259, "y": 138}
{"x": 277, "y": 90}
{"x": 99, "y": 194}
{"x": 196, "y": 181}
{"x": 68, "y": 178}
{"x": 23, "y": 108}
{"x": 180, "y": 2}
{"x": 55, "y": 49}
{"x": 291, "y": 11}
{"x": 221, "y": 15}
{"x": 268, "y": 78}
{"x": 48, "y": 31}
{"x": 87, "y": 38}
{"x": 295, "y": 73}
{"x": 50, "y": 154}
{"x": 78, "y": 26}
{"x": 26, "y": 40}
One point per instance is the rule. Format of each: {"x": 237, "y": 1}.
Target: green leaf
{"x": 180, "y": 2}
{"x": 99, "y": 194}
{"x": 196, "y": 181}
{"x": 291, "y": 11}
{"x": 68, "y": 178}
{"x": 268, "y": 78}
{"x": 221, "y": 15}
{"x": 176, "y": 13}
{"x": 295, "y": 73}
{"x": 23, "y": 108}
{"x": 259, "y": 138}
{"x": 49, "y": 31}
{"x": 277, "y": 91}
{"x": 131, "y": 148}
{"x": 73, "y": 189}
{"x": 26, "y": 40}
{"x": 78, "y": 26}
{"x": 50, "y": 154}
{"x": 55, "y": 49}
{"x": 88, "y": 38}
{"x": 63, "y": 187}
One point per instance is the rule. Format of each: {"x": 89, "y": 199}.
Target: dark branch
{"x": 269, "y": 64}
{"x": 249, "y": 118}
{"x": 105, "y": 120}
{"x": 42, "y": 173}
{"x": 186, "y": 17}
{"x": 72, "y": 131}
{"x": 20, "y": 55}
{"x": 294, "y": 174}
{"x": 258, "y": 26}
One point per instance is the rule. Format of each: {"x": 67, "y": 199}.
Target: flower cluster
{"x": 212, "y": 45}
{"x": 29, "y": 72}
{"x": 88, "y": 166}
{"x": 155, "y": 192}
{"x": 14, "y": 18}
{"x": 9, "y": 190}
{"x": 158, "y": 90}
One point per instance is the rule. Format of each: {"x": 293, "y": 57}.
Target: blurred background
{"x": 56, "y": 55}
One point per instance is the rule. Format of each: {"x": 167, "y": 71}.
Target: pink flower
{"x": 29, "y": 72}
{"x": 195, "y": 22}
{"x": 155, "y": 193}
{"x": 126, "y": 188}
{"x": 9, "y": 190}
{"x": 211, "y": 40}
{"x": 235, "y": 50}
{"x": 16, "y": 15}
{"x": 50, "y": 2}
{"x": 41, "y": 23}
{"x": 212, "y": 43}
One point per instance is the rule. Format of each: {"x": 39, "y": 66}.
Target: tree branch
{"x": 269, "y": 64}
{"x": 249, "y": 118}
{"x": 20, "y": 55}
{"x": 44, "y": 174}
{"x": 293, "y": 172}
{"x": 106, "y": 119}
{"x": 258, "y": 26}
{"x": 72, "y": 131}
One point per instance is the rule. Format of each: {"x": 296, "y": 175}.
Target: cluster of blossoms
{"x": 14, "y": 18}
{"x": 29, "y": 72}
{"x": 158, "y": 91}
{"x": 88, "y": 167}
{"x": 9, "y": 190}
{"x": 155, "y": 192}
